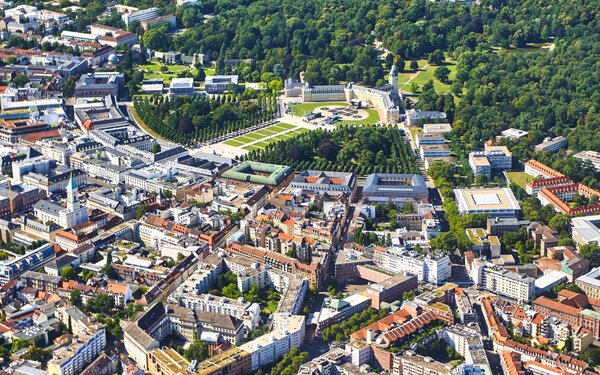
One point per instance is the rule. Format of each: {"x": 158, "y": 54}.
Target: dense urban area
{"x": 314, "y": 187}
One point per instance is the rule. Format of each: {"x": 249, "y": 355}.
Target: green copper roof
{"x": 259, "y": 173}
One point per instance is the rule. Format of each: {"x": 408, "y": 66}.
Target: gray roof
{"x": 48, "y": 207}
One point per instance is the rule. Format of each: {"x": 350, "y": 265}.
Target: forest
{"x": 502, "y": 79}
{"x": 188, "y": 120}
{"x": 361, "y": 150}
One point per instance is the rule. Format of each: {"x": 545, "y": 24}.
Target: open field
{"x": 520, "y": 178}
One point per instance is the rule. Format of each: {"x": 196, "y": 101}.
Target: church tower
{"x": 72, "y": 201}
{"x": 393, "y": 78}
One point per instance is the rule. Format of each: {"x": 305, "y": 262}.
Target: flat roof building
{"x": 514, "y": 133}
{"x": 181, "y": 86}
{"x": 260, "y": 173}
{"x": 437, "y": 128}
{"x": 324, "y": 182}
{"x": 496, "y": 202}
{"x": 395, "y": 188}
{"x": 586, "y": 230}
{"x": 591, "y": 156}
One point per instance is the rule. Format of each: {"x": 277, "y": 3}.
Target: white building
{"x": 502, "y": 282}
{"x": 591, "y": 156}
{"x": 140, "y": 15}
{"x": 551, "y": 144}
{"x": 218, "y": 84}
{"x": 586, "y": 230}
{"x": 429, "y": 268}
{"x": 514, "y": 133}
{"x": 288, "y": 332}
{"x": 496, "y": 202}
{"x": 13, "y": 268}
{"x": 469, "y": 344}
{"x": 414, "y": 116}
{"x": 74, "y": 214}
{"x": 493, "y": 157}
{"x": 89, "y": 339}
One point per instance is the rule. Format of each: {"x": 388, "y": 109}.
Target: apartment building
{"x": 89, "y": 339}
{"x": 411, "y": 363}
{"x": 428, "y": 268}
{"x": 500, "y": 281}
{"x": 13, "y": 268}
{"x": 288, "y": 332}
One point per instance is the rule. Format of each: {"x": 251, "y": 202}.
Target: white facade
{"x": 74, "y": 214}
{"x": 430, "y": 268}
{"x": 288, "y": 333}
{"x": 509, "y": 284}
{"x": 140, "y": 15}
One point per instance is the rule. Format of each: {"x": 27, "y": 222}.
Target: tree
{"x": 68, "y": 87}
{"x": 198, "y": 350}
{"x": 590, "y": 355}
{"x": 561, "y": 223}
{"x": 141, "y": 211}
{"x": 101, "y": 304}
{"x": 436, "y": 57}
{"x": 114, "y": 330}
{"x": 591, "y": 253}
{"x": 231, "y": 291}
{"x": 201, "y": 75}
{"x": 68, "y": 273}
{"x": 441, "y": 74}
{"x": 220, "y": 64}
{"x": 414, "y": 65}
{"x": 155, "y": 149}
{"x": 20, "y": 80}
{"x": 75, "y": 298}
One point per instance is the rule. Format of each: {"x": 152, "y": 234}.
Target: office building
{"x": 140, "y": 15}
{"x": 181, "y": 87}
{"x": 591, "y": 156}
{"x": 586, "y": 230}
{"x": 391, "y": 289}
{"x": 397, "y": 188}
{"x": 219, "y": 84}
{"x": 551, "y": 144}
{"x": 496, "y": 202}
{"x": 310, "y": 182}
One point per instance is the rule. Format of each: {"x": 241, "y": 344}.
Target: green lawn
{"x": 306, "y": 108}
{"x": 260, "y": 134}
{"x": 265, "y": 132}
{"x": 520, "y": 178}
{"x": 252, "y": 148}
{"x": 234, "y": 143}
{"x": 371, "y": 119}
{"x": 425, "y": 74}
{"x": 253, "y": 136}
{"x": 284, "y": 125}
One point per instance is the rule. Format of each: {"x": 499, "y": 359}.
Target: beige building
{"x": 411, "y": 363}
